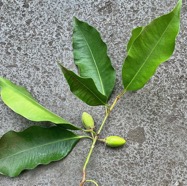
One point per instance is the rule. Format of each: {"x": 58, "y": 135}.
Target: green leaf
{"x": 150, "y": 47}
{"x": 22, "y": 102}
{"x": 34, "y": 146}
{"x": 90, "y": 55}
{"x": 84, "y": 88}
{"x": 135, "y": 33}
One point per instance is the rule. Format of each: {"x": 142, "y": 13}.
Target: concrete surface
{"x": 35, "y": 34}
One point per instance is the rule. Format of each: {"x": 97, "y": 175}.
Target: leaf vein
{"x": 148, "y": 56}
{"x": 50, "y": 143}
{"x": 101, "y": 82}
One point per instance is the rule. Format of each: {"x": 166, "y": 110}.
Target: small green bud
{"x": 87, "y": 120}
{"x": 114, "y": 141}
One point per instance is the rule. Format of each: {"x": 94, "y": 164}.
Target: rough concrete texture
{"x": 35, "y": 34}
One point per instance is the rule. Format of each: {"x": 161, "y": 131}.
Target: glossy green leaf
{"x": 84, "y": 88}
{"x": 135, "y": 33}
{"x": 150, "y": 47}
{"x": 90, "y": 55}
{"x": 22, "y": 102}
{"x": 34, "y": 146}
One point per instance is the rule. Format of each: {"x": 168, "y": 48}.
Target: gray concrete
{"x": 35, "y": 34}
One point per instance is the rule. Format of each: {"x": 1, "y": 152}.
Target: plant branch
{"x": 116, "y": 100}
{"x": 87, "y": 160}
{"x": 108, "y": 111}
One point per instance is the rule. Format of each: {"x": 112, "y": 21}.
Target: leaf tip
{"x": 180, "y": 2}
{"x": 58, "y": 63}
{"x": 61, "y": 67}
{"x": 178, "y": 6}
{"x": 75, "y": 20}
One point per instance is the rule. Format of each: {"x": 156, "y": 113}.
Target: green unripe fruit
{"x": 87, "y": 120}
{"x": 114, "y": 141}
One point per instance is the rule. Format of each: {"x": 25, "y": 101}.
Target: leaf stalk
{"x": 92, "y": 182}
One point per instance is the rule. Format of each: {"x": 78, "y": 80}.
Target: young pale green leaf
{"x": 84, "y": 88}
{"x": 34, "y": 146}
{"x": 22, "y": 102}
{"x": 149, "y": 47}
{"x": 90, "y": 55}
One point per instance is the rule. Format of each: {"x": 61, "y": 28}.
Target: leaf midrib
{"x": 149, "y": 54}
{"x": 86, "y": 86}
{"x": 29, "y": 149}
{"x": 101, "y": 82}
{"x": 34, "y": 102}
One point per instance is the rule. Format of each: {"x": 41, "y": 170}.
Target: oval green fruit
{"x": 114, "y": 141}
{"x": 87, "y": 120}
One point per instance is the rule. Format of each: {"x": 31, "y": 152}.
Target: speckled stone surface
{"x": 34, "y": 34}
